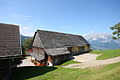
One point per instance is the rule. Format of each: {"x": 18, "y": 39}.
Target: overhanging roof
{"x": 57, "y": 51}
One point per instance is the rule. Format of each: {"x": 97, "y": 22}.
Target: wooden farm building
{"x": 51, "y": 48}
{"x": 9, "y": 49}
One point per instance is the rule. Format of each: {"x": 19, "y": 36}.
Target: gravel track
{"x": 26, "y": 62}
{"x": 89, "y": 60}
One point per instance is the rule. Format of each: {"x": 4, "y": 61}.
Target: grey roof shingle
{"x": 57, "y": 51}
{"x": 9, "y": 40}
{"x": 59, "y": 40}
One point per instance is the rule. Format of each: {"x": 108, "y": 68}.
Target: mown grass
{"x": 109, "y": 72}
{"x": 107, "y": 54}
{"x": 69, "y": 62}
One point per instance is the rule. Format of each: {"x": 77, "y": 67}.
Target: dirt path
{"x": 26, "y": 62}
{"x": 85, "y": 57}
{"x": 91, "y": 62}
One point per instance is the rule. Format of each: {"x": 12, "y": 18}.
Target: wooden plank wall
{"x": 87, "y": 48}
{"x": 61, "y": 58}
{"x": 76, "y": 50}
{"x": 39, "y": 51}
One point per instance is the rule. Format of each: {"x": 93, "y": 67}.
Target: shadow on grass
{"x": 22, "y": 73}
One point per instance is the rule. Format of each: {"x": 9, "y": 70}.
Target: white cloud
{"x": 30, "y": 29}
{"x": 27, "y": 31}
{"x": 91, "y": 32}
{"x": 84, "y": 35}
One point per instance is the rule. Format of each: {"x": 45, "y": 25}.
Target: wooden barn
{"x": 51, "y": 48}
{"x": 9, "y": 49}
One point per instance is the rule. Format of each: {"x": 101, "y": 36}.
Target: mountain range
{"x": 102, "y": 41}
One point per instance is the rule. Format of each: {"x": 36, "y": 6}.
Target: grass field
{"x": 109, "y": 72}
{"x": 107, "y": 54}
{"x": 68, "y": 62}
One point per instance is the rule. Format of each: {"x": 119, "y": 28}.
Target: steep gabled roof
{"x": 9, "y": 40}
{"x": 55, "y": 43}
{"x": 51, "y": 39}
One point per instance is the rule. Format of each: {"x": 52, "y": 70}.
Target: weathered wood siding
{"x": 76, "y": 50}
{"x": 39, "y": 51}
{"x": 37, "y": 42}
{"x": 87, "y": 48}
{"x": 60, "y": 59}
{"x": 81, "y": 48}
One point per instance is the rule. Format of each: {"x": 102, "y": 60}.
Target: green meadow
{"x": 107, "y": 54}
{"x": 107, "y": 72}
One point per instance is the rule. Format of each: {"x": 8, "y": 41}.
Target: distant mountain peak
{"x": 102, "y": 41}
{"x": 98, "y": 35}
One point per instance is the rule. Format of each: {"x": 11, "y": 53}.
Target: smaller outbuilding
{"x": 51, "y": 48}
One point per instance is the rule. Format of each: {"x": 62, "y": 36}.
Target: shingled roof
{"x": 55, "y": 43}
{"x": 9, "y": 40}
{"x": 51, "y": 39}
{"x": 57, "y": 51}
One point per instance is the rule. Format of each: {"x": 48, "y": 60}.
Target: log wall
{"x": 60, "y": 59}
{"x": 39, "y": 51}
{"x": 87, "y": 48}
{"x": 76, "y": 50}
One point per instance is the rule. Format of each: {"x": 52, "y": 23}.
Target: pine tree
{"x": 116, "y": 31}
{"x": 27, "y": 43}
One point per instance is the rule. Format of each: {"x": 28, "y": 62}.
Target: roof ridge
{"x": 9, "y": 24}
{"x": 59, "y": 32}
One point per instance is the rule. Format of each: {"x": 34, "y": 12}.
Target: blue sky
{"x": 69, "y": 16}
